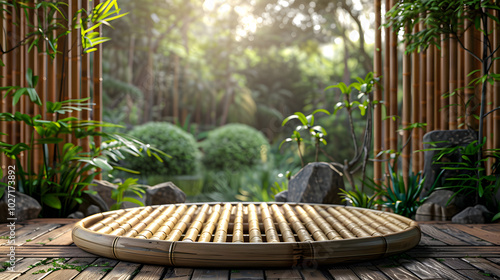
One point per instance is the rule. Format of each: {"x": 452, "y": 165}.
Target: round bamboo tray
{"x": 245, "y": 234}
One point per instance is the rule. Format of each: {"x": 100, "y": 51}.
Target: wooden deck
{"x": 447, "y": 251}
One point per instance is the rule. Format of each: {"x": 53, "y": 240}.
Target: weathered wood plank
{"x": 122, "y": 271}
{"x": 456, "y": 263}
{"x": 368, "y": 272}
{"x": 150, "y": 272}
{"x": 24, "y": 264}
{"x": 48, "y": 252}
{"x": 433, "y": 231}
{"x": 441, "y": 269}
{"x": 282, "y": 274}
{"x": 52, "y": 235}
{"x": 212, "y": 274}
{"x": 454, "y": 251}
{"x": 489, "y": 236}
{"x": 312, "y": 274}
{"x": 41, "y": 271}
{"x": 69, "y": 273}
{"x": 461, "y": 235}
{"x": 30, "y": 232}
{"x": 419, "y": 269}
{"x": 485, "y": 265}
{"x": 475, "y": 274}
{"x": 248, "y": 274}
{"x": 342, "y": 273}
{"x": 426, "y": 240}
{"x": 62, "y": 221}
{"x": 179, "y": 273}
{"x": 394, "y": 270}
{"x": 104, "y": 265}
{"x": 63, "y": 239}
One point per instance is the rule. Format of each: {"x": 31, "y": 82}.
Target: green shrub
{"x": 174, "y": 141}
{"x": 234, "y": 147}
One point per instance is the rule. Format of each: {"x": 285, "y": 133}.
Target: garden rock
{"x": 317, "y": 182}
{"x": 445, "y": 138}
{"x": 76, "y": 215}
{"x": 164, "y": 193}
{"x": 104, "y": 189}
{"x": 281, "y": 196}
{"x": 91, "y": 210}
{"x": 90, "y": 200}
{"x": 437, "y": 208}
{"x": 471, "y": 215}
{"x": 26, "y": 207}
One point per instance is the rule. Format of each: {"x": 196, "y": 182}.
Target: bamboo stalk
{"x": 387, "y": 220}
{"x": 377, "y": 111}
{"x": 166, "y": 228}
{"x": 469, "y": 91}
{"x": 336, "y": 224}
{"x": 267, "y": 220}
{"x": 181, "y": 225}
{"x": 407, "y": 112}
{"x": 97, "y": 226}
{"x": 445, "y": 79}
{"x": 206, "y": 233}
{"x": 393, "y": 102}
{"x": 253, "y": 224}
{"x": 330, "y": 233}
{"x": 437, "y": 88}
{"x": 453, "y": 100}
{"x": 416, "y": 110}
{"x": 111, "y": 226}
{"x": 297, "y": 226}
{"x": 285, "y": 230}
{"x": 238, "y": 224}
{"x": 161, "y": 217}
{"x": 387, "y": 95}
{"x": 429, "y": 83}
{"x": 197, "y": 224}
{"x": 372, "y": 223}
{"x": 356, "y": 225}
{"x": 221, "y": 232}
{"x": 496, "y": 86}
{"x": 311, "y": 226}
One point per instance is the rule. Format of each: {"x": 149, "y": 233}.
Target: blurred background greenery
{"x": 178, "y": 71}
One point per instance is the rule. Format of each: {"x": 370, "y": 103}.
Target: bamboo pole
{"x": 167, "y": 226}
{"x": 423, "y": 98}
{"x": 445, "y": 79}
{"x": 206, "y": 233}
{"x": 393, "y": 104}
{"x": 407, "y": 112}
{"x": 415, "y": 114}
{"x": 461, "y": 84}
{"x": 453, "y": 84}
{"x": 387, "y": 86}
{"x": 327, "y": 229}
{"x": 437, "y": 88}
{"x": 3, "y": 83}
{"x": 469, "y": 91}
{"x": 496, "y": 86}
{"x": 85, "y": 84}
{"x": 221, "y": 232}
{"x": 182, "y": 224}
{"x": 377, "y": 111}
{"x": 253, "y": 225}
{"x": 269, "y": 228}
{"x": 197, "y": 224}
{"x": 297, "y": 226}
{"x": 97, "y": 94}
{"x": 238, "y": 230}
{"x": 285, "y": 230}
{"x": 351, "y": 225}
{"x": 312, "y": 227}
{"x": 336, "y": 224}
{"x": 430, "y": 89}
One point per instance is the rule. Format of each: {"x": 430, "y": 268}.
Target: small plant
{"x": 465, "y": 180}
{"x": 130, "y": 185}
{"x": 316, "y": 132}
{"x": 359, "y": 198}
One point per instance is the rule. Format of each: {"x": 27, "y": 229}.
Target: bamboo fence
{"x": 245, "y": 234}
{"x": 426, "y": 77}
{"x": 70, "y": 75}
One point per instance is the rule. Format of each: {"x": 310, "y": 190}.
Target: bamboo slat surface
{"x": 245, "y": 235}
{"x": 476, "y": 258}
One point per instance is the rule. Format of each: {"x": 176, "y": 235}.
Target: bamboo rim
{"x": 245, "y": 234}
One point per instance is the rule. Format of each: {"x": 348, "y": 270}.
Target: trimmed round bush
{"x": 179, "y": 144}
{"x": 234, "y": 147}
